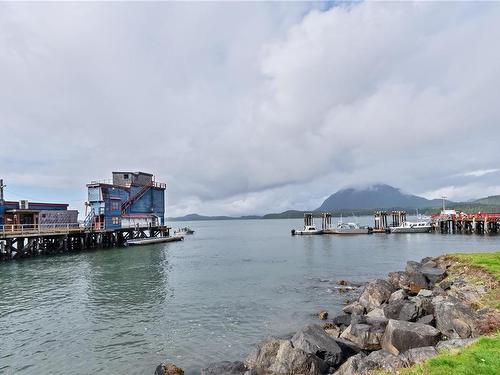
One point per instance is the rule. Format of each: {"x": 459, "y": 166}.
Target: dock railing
{"x": 33, "y": 229}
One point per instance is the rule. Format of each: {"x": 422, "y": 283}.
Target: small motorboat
{"x": 412, "y": 227}
{"x": 183, "y": 231}
{"x": 348, "y": 228}
{"x": 308, "y": 230}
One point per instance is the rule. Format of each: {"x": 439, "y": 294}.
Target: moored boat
{"x": 412, "y": 227}
{"x": 308, "y": 230}
{"x": 347, "y": 228}
{"x": 183, "y": 231}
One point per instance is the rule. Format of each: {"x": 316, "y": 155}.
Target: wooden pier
{"x": 21, "y": 241}
{"x": 479, "y": 223}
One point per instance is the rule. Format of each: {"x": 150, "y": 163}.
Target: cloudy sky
{"x": 250, "y": 107}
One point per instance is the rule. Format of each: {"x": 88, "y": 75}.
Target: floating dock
{"x": 151, "y": 241}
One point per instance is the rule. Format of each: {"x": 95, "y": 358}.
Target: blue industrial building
{"x": 130, "y": 199}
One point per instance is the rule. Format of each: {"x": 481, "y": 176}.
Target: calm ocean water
{"x": 211, "y": 297}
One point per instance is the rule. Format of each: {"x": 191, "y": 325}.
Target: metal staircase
{"x": 89, "y": 220}
{"x": 135, "y": 198}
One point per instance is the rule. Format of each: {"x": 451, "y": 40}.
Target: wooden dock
{"x": 479, "y": 223}
{"x": 21, "y": 241}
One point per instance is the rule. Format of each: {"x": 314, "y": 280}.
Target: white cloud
{"x": 251, "y": 107}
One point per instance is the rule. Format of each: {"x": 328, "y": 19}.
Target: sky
{"x": 250, "y": 108}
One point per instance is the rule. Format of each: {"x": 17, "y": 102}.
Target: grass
{"x": 479, "y": 268}
{"x": 489, "y": 262}
{"x": 480, "y": 358}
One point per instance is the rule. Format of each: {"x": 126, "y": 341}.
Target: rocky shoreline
{"x": 394, "y": 323}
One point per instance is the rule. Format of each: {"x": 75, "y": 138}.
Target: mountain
{"x": 376, "y": 196}
{"x": 492, "y": 200}
{"x": 196, "y": 217}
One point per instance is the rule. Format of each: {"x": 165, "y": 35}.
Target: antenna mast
{"x": 1, "y": 191}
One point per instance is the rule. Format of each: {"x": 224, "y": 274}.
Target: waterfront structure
{"x": 130, "y": 199}
{"x": 129, "y": 207}
{"x": 450, "y": 221}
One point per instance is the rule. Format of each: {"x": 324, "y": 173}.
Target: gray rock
{"x": 366, "y": 365}
{"x": 383, "y": 360}
{"x": 446, "y": 284}
{"x": 353, "y": 366}
{"x": 427, "y": 319}
{"x": 280, "y": 357}
{"x": 323, "y": 315}
{"x": 376, "y": 313}
{"x": 398, "y": 295}
{"x": 400, "y": 336}
{"x": 411, "y": 282}
{"x": 342, "y": 320}
{"x": 403, "y": 310}
{"x": 354, "y": 308}
{"x": 413, "y": 267}
{"x": 454, "y": 319}
{"x": 314, "y": 340}
{"x": 224, "y": 368}
{"x": 424, "y": 293}
{"x": 367, "y": 334}
{"x": 433, "y": 275}
{"x": 375, "y": 294}
{"x": 419, "y": 355}
{"x": 454, "y": 343}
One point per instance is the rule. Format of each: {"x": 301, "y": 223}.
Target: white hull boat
{"x": 412, "y": 227}
{"x": 308, "y": 230}
{"x": 347, "y": 228}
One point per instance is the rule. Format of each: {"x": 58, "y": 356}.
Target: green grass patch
{"x": 490, "y": 262}
{"x": 480, "y": 358}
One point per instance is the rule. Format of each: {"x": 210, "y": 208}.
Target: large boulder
{"x": 280, "y": 357}
{"x": 383, "y": 360}
{"x": 342, "y": 320}
{"x": 433, "y": 274}
{"x": 402, "y": 310}
{"x": 354, "y": 308}
{"x": 361, "y": 364}
{"x": 224, "y": 368}
{"x": 353, "y": 366}
{"x": 398, "y": 295}
{"x": 453, "y": 343}
{"x": 410, "y": 282}
{"x": 419, "y": 355}
{"x": 375, "y": 294}
{"x": 400, "y": 336}
{"x": 413, "y": 267}
{"x": 366, "y": 332}
{"x": 314, "y": 340}
{"x": 168, "y": 368}
{"x": 454, "y": 319}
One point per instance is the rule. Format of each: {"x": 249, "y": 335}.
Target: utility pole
{"x": 444, "y": 197}
{"x": 1, "y": 191}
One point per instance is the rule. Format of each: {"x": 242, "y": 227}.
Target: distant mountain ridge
{"x": 364, "y": 201}
{"x": 376, "y": 196}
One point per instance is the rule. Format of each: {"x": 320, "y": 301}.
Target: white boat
{"x": 308, "y": 230}
{"x": 152, "y": 240}
{"x": 420, "y": 226}
{"x": 183, "y": 231}
{"x": 347, "y": 228}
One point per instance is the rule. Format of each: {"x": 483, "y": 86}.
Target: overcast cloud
{"x": 251, "y": 107}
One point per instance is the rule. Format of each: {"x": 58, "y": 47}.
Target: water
{"x": 208, "y": 298}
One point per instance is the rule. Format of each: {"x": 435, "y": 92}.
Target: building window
{"x": 125, "y": 176}
{"x": 115, "y": 205}
{"x": 115, "y": 220}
